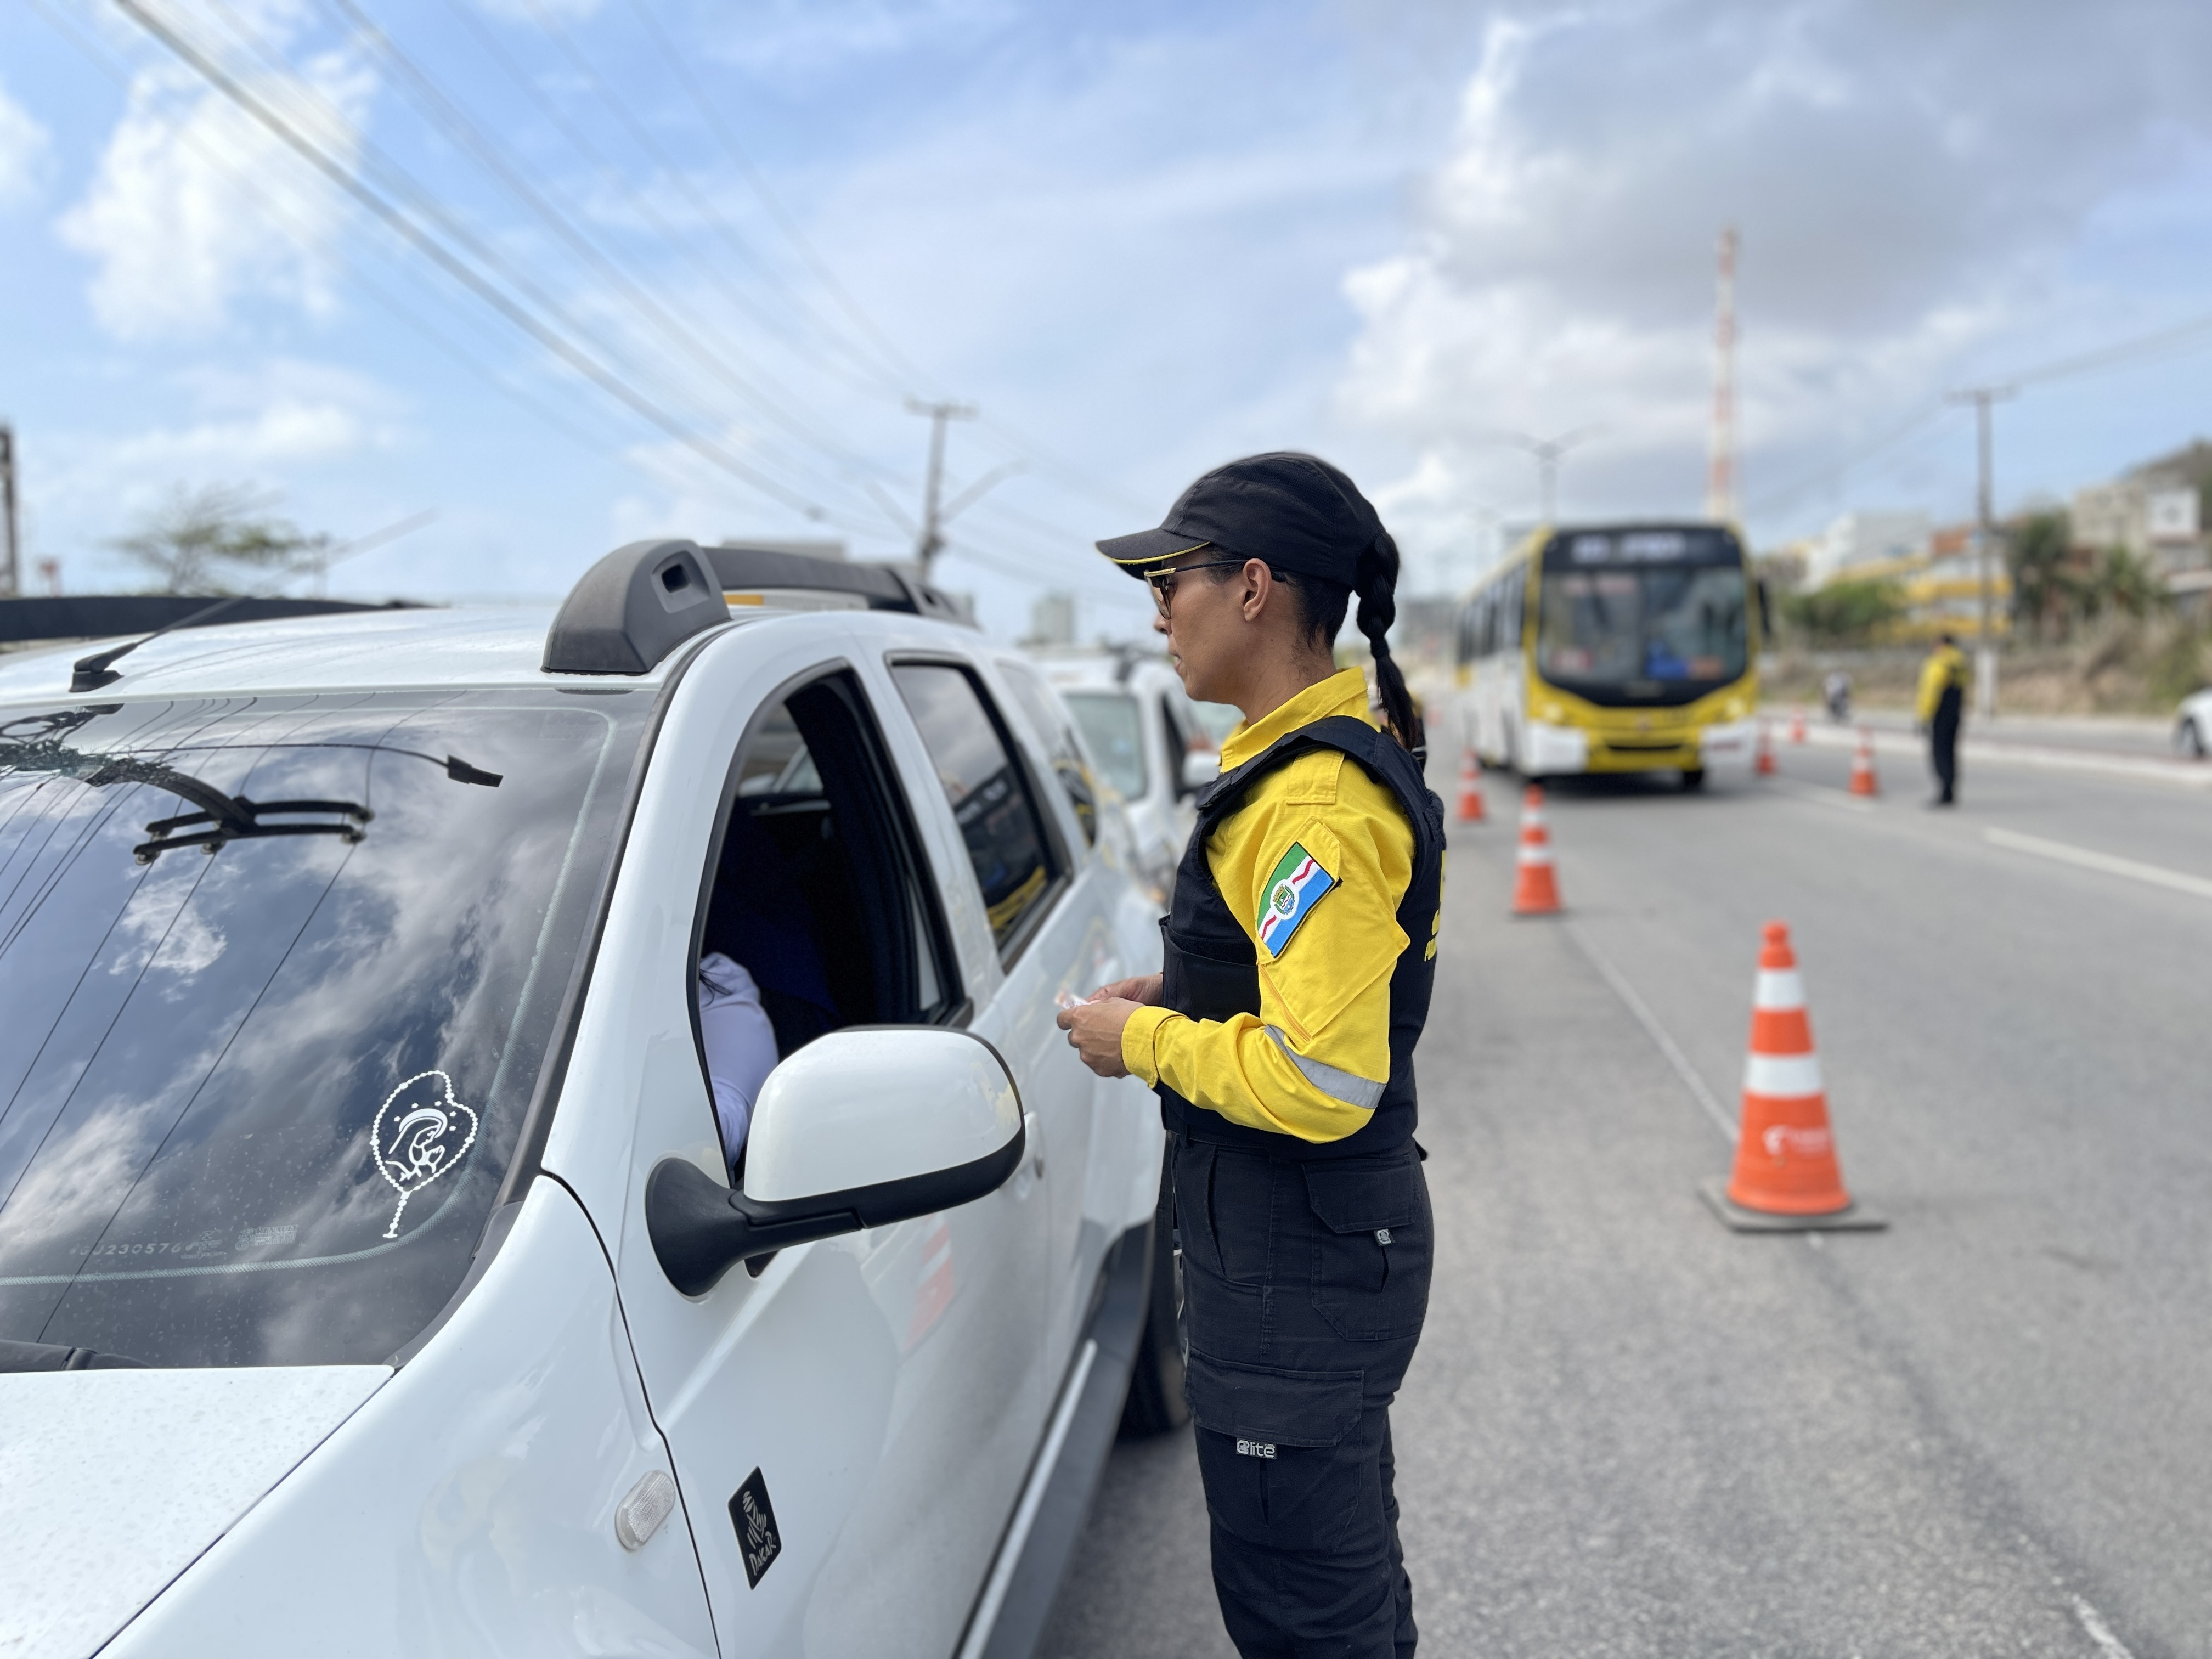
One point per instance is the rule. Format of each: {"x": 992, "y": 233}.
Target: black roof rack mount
{"x": 632, "y": 608}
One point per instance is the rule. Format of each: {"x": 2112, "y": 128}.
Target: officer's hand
{"x": 1094, "y": 1031}
{"x": 1144, "y": 988}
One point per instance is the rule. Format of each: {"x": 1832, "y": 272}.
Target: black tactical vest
{"x": 1210, "y": 968}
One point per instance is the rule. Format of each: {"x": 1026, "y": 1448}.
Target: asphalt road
{"x": 1630, "y": 1431}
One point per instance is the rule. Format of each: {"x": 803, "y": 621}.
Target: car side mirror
{"x": 860, "y": 1128}
{"x": 1200, "y": 768}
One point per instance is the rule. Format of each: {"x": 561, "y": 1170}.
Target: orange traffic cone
{"x": 1862, "y": 779}
{"x": 1797, "y": 725}
{"x": 1786, "y": 1179}
{"x": 1763, "y": 757}
{"x": 1535, "y": 887}
{"x": 1470, "y": 791}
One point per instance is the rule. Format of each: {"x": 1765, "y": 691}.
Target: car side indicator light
{"x": 643, "y": 1508}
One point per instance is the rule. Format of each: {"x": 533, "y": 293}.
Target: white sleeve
{"x": 740, "y": 1045}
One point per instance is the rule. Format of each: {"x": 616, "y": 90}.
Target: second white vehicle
{"x": 1155, "y": 746}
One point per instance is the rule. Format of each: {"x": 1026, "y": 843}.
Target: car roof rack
{"x": 744, "y": 570}
{"x": 643, "y": 600}
{"x": 632, "y": 608}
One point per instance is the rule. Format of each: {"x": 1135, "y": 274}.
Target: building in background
{"x": 1859, "y": 541}
{"x": 2154, "y": 511}
{"x": 1052, "y": 620}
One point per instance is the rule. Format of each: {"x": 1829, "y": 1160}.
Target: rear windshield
{"x": 281, "y": 979}
{"x": 1110, "y": 723}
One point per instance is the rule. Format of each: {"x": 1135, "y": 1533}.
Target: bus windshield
{"x": 1641, "y": 625}
{"x": 281, "y": 976}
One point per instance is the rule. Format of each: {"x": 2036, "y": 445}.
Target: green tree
{"x": 201, "y": 541}
{"x": 2038, "y": 550}
{"x": 1845, "y": 612}
{"x": 2121, "y": 582}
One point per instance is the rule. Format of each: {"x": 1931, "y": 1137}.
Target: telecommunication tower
{"x": 1720, "y": 465}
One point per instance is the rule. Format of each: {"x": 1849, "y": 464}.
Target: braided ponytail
{"x": 1376, "y": 584}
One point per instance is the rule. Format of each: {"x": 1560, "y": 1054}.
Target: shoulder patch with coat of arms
{"x": 1288, "y": 897}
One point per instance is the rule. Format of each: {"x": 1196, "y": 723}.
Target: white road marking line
{"x": 1655, "y": 1031}
{"x": 2099, "y": 1632}
{"x": 2154, "y": 874}
{"x": 1814, "y": 792}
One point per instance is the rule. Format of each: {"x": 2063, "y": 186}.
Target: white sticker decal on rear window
{"x": 420, "y": 1131}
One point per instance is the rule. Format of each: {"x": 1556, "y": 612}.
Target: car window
{"x": 819, "y": 896}
{"x": 820, "y": 891}
{"x": 999, "y": 822}
{"x": 282, "y": 978}
{"x": 1109, "y": 720}
{"x": 1068, "y": 763}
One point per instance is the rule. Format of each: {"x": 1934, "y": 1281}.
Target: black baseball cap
{"x": 1296, "y": 511}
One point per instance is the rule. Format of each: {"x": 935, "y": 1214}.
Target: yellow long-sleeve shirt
{"x": 1945, "y": 666}
{"x": 1314, "y": 1061}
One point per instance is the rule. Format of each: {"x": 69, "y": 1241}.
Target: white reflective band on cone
{"x": 1537, "y": 855}
{"x": 1778, "y": 988}
{"x": 1782, "y": 1077}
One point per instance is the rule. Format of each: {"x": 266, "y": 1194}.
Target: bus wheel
{"x": 1693, "y": 777}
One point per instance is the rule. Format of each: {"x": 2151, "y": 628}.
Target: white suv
{"x": 373, "y": 1277}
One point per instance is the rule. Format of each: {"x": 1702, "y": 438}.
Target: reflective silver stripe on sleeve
{"x": 1338, "y": 1084}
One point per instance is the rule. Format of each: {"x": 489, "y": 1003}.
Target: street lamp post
{"x": 1548, "y": 453}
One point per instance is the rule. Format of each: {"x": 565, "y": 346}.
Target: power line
{"x": 691, "y": 334}
{"x": 608, "y": 381}
{"x": 242, "y": 178}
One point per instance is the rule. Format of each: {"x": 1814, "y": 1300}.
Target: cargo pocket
{"x": 1284, "y": 1457}
{"x": 1194, "y": 1205}
{"x": 1370, "y": 1262}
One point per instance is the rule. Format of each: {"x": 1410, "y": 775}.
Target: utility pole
{"x": 931, "y": 539}
{"x": 1720, "y": 464}
{"x": 1985, "y": 646}
{"x": 11, "y": 571}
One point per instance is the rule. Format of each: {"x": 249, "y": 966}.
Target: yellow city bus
{"x": 1624, "y": 648}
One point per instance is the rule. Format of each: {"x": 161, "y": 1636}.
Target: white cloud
{"x": 1910, "y": 182}
{"x": 23, "y": 145}
{"x": 270, "y": 425}
{"x": 197, "y": 206}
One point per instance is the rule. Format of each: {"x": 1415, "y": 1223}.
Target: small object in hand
{"x": 1069, "y": 1000}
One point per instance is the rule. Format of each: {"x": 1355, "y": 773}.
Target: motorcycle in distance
{"x": 1836, "y": 690}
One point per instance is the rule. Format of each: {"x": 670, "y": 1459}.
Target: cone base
{"x": 1852, "y": 1217}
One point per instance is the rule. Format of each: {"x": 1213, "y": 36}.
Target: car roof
{"x": 479, "y": 645}
{"x": 1105, "y": 670}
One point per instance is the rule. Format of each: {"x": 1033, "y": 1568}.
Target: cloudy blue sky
{"x": 1141, "y": 239}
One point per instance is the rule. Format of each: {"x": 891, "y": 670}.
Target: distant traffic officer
{"x": 1943, "y": 704}
{"x": 1299, "y": 955}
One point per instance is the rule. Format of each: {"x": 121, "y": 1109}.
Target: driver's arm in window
{"x": 740, "y": 1046}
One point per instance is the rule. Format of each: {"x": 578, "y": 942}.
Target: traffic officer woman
{"x": 1942, "y": 702}
{"x": 1299, "y": 957}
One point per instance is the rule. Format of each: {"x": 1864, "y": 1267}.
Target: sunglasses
{"x": 1163, "y": 582}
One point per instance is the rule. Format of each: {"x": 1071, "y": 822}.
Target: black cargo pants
{"x": 1943, "y": 742}
{"x": 1305, "y": 1284}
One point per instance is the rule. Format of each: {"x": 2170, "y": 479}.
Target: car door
{"x": 851, "y": 1420}
{"x": 1046, "y": 929}
{"x": 1115, "y": 933}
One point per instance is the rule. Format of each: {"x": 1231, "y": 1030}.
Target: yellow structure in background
{"x": 1941, "y": 589}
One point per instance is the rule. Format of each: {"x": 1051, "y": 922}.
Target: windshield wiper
{"x": 223, "y": 817}
{"x": 60, "y": 1357}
